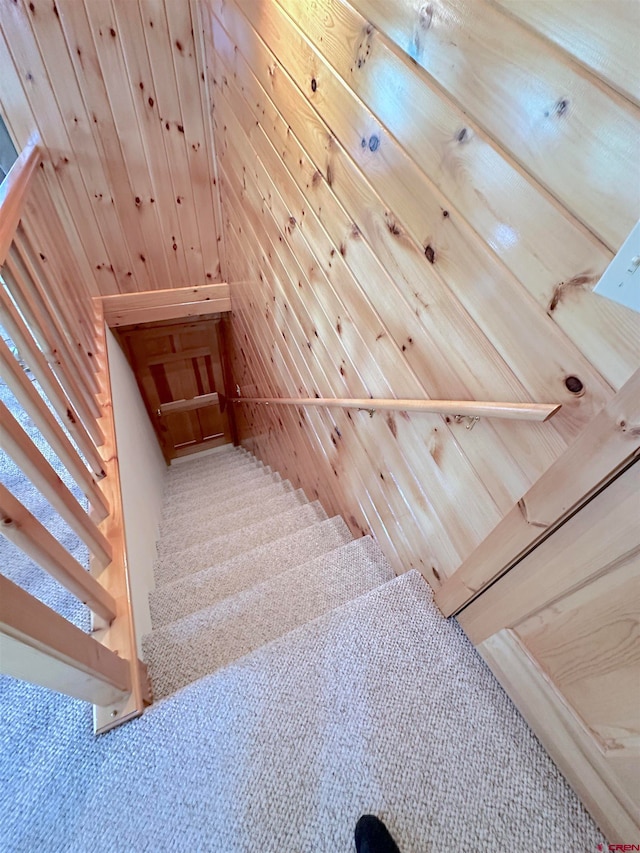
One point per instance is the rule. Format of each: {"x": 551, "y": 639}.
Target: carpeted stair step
{"x": 203, "y": 464}
{"x": 224, "y": 479}
{"x": 207, "y": 508}
{"x": 214, "y": 487}
{"x": 210, "y": 639}
{"x": 200, "y": 476}
{"x": 218, "y": 549}
{"x": 215, "y": 455}
{"x": 203, "y": 589}
{"x": 380, "y": 706}
{"x": 209, "y": 461}
{"x": 215, "y": 491}
{"x": 173, "y": 541}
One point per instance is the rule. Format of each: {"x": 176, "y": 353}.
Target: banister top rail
{"x": 13, "y": 191}
{"x": 456, "y": 408}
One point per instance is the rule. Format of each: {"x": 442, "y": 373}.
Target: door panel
{"x": 179, "y": 370}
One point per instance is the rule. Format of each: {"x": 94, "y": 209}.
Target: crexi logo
{"x": 623, "y": 847}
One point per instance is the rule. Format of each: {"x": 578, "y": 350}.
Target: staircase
{"x": 298, "y": 685}
{"x": 243, "y": 560}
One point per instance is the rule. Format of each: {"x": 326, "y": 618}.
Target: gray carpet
{"x": 374, "y": 704}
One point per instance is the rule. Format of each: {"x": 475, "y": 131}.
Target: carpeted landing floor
{"x": 301, "y": 684}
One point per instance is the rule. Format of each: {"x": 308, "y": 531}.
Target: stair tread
{"x": 214, "y": 485}
{"x": 204, "y": 588}
{"x": 218, "y": 493}
{"x": 203, "y": 475}
{"x": 212, "y": 464}
{"x": 206, "y": 509}
{"x": 221, "y": 548}
{"x": 211, "y": 638}
{"x": 173, "y": 542}
{"x": 224, "y": 451}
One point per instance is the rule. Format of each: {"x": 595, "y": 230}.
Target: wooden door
{"x": 561, "y": 631}
{"x": 179, "y": 369}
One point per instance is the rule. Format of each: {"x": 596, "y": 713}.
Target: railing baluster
{"x": 39, "y": 412}
{"x": 73, "y": 315}
{"x": 15, "y": 441}
{"x": 40, "y": 646}
{"x": 31, "y": 536}
{"x": 22, "y": 338}
{"x": 22, "y": 289}
{"x": 60, "y": 333}
{"x": 49, "y": 304}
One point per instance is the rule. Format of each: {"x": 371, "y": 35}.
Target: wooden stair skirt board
{"x": 560, "y": 632}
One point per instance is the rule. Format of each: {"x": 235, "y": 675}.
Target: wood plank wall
{"x": 117, "y": 92}
{"x": 417, "y": 202}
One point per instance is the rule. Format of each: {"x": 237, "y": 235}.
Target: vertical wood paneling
{"x": 124, "y": 132}
{"x": 145, "y": 99}
{"x": 29, "y": 104}
{"x": 373, "y": 247}
{"x": 189, "y": 79}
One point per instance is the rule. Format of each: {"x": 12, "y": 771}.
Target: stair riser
{"x": 213, "y": 483}
{"x": 222, "y": 548}
{"x": 219, "y": 455}
{"x": 213, "y": 638}
{"x": 212, "y": 464}
{"x": 205, "y": 588}
{"x": 234, "y": 521}
{"x": 243, "y": 487}
{"x": 205, "y": 511}
{"x": 201, "y": 476}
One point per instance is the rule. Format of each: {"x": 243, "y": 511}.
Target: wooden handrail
{"x": 463, "y": 408}
{"x": 13, "y": 191}
{"x": 17, "y": 444}
{"x": 39, "y": 412}
{"x": 197, "y": 402}
{"x": 31, "y": 536}
{"x": 39, "y": 645}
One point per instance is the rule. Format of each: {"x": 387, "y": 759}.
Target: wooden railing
{"x": 48, "y": 327}
{"x": 462, "y": 409}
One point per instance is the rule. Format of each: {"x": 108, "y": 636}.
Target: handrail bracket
{"x": 470, "y": 421}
